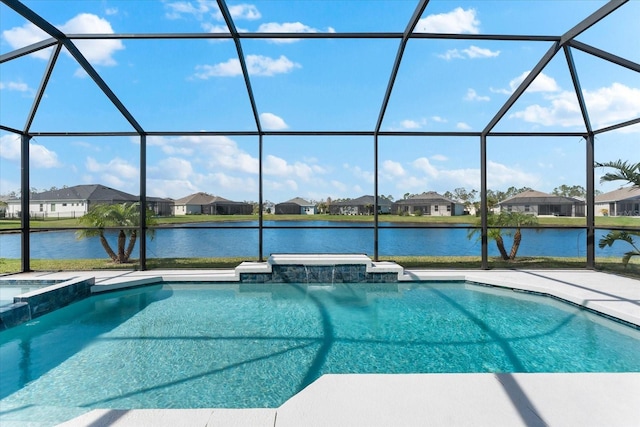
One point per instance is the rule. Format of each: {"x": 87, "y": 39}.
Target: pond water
{"x": 233, "y": 242}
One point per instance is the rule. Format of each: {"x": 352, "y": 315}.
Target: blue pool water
{"x": 195, "y": 345}
{"x": 15, "y": 288}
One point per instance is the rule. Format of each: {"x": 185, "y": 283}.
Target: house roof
{"x": 92, "y": 193}
{"x": 364, "y": 200}
{"x": 538, "y": 197}
{"x": 200, "y": 199}
{"x": 426, "y": 197}
{"x": 298, "y": 201}
{"x": 619, "y": 195}
{"x": 159, "y": 199}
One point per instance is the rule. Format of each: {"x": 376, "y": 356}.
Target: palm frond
{"x": 624, "y": 171}
{"x": 611, "y": 237}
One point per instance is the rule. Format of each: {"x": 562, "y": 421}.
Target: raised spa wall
{"x": 319, "y": 268}
{"x": 34, "y": 304}
{"x": 318, "y": 274}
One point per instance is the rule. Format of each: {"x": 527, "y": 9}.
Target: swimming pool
{"x": 256, "y": 345}
{"x": 13, "y": 288}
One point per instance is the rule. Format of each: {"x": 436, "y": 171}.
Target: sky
{"x": 197, "y": 85}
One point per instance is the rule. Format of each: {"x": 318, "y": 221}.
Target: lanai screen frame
{"x": 565, "y": 43}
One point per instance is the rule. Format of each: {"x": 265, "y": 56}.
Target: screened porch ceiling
{"x": 242, "y": 74}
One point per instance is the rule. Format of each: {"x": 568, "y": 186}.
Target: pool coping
{"x": 566, "y": 399}
{"x": 612, "y": 295}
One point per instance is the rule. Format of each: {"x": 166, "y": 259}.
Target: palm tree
{"x": 115, "y": 215}
{"x": 623, "y": 171}
{"x": 630, "y": 173}
{"x": 626, "y": 236}
{"x": 509, "y": 221}
{"x": 517, "y": 220}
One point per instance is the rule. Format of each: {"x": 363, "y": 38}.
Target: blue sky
{"x": 316, "y": 85}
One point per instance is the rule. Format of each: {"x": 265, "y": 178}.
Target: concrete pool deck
{"x": 521, "y": 399}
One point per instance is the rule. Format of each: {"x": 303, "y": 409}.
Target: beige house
{"x": 540, "y": 204}
{"x": 207, "y": 204}
{"x": 620, "y": 202}
{"x": 428, "y": 203}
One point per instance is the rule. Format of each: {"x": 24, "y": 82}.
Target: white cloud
{"x": 473, "y": 52}
{"x": 478, "y": 52}
{"x": 606, "y": 106}
{"x": 243, "y": 11}
{"x": 177, "y": 9}
{"x": 223, "y": 181}
{"x": 15, "y": 86}
{"x": 214, "y": 28}
{"x": 287, "y": 185}
{"x": 28, "y": 34}
{"x": 472, "y": 95}
{"x": 174, "y": 188}
{"x": 217, "y": 151}
{"x": 272, "y": 122}
{"x": 613, "y": 104}
{"x": 542, "y": 83}
{"x": 358, "y": 172}
{"x": 456, "y": 21}
{"x": 97, "y": 52}
{"x": 111, "y": 11}
{"x": 412, "y": 183}
{"x": 429, "y": 177}
{"x": 451, "y": 54}
{"x": 39, "y": 155}
{"x": 393, "y": 169}
{"x": 439, "y": 158}
{"x": 500, "y": 176}
{"x": 423, "y": 165}
{"x": 257, "y": 65}
{"x": 174, "y": 167}
{"x": 10, "y": 145}
{"x": 463, "y": 126}
{"x": 439, "y": 119}
{"x": 412, "y": 124}
{"x": 277, "y": 166}
{"x": 340, "y": 186}
{"x": 287, "y": 27}
{"x": 117, "y": 173}
{"x": 115, "y": 166}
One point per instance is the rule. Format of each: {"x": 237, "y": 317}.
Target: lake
{"x": 232, "y": 242}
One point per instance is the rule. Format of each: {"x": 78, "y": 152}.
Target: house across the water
{"x": 207, "y": 204}
{"x": 69, "y": 202}
{"x": 428, "y": 203}
{"x": 620, "y": 202}
{"x": 296, "y": 206}
{"x": 538, "y": 203}
{"x": 361, "y": 206}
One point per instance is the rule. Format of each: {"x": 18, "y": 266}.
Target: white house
{"x": 69, "y": 202}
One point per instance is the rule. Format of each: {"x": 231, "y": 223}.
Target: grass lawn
{"x": 600, "y": 221}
